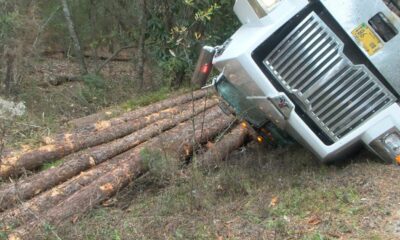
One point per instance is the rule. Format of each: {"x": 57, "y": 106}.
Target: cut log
{"x": 38, "y": 205}
{"x": 105, "y": 114}
{"x": 24, "y": 189}
{"x": 129, "y": 116}
{"x": 156, "y": 107}
{"x": 80, "y": 141}
{"x": 219, "y": 151}
{"x": 30, "y": 160}
{"x": 107, "y": 185}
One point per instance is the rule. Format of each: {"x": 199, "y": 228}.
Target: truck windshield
{"x": 244, "y": 108}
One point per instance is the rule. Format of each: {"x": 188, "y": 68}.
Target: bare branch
{"x": 112, "y": 57}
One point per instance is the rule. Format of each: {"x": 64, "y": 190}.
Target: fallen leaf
{"x": 209, "y": 145}
{"x": 74, "y": 219}
{"x": 274, "y": 202}
{"x": 314, "y": 220}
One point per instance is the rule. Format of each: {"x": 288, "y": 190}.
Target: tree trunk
{"x": 10, "y": 194}
{"x": 74, "y": 36}
{"x": 9, "y": 78}
{"x": 218, "y": 151}
{"x": 141, "y": 54}
{"x": 76, "y": 142}
{"x": 109, "y": 184}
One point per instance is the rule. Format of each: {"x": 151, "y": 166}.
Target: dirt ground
{"x": 258, "y": 193}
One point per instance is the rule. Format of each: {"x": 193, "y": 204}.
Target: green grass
{"x": 301, "y": 201}
{"x": 151, "y": 97}
{"x": 316, "y": 236}
{"x": 52, "y": 164}
{"x": 146, "y": 99}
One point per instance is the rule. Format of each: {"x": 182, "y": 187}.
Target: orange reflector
{"x": 260, "y": 139}
{"x": 398, "y": 159}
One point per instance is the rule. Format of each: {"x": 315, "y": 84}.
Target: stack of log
{"x": 101, "y": 158}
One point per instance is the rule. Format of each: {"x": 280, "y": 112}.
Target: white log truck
{"x": 327, "y": 72}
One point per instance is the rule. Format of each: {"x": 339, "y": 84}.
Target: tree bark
{"x": 40, "y": 204}
{"x": 103, "y": 115}
{"x": 74, "y": 36}
{"x": 109, "y": 184}
{"x": 11, "y": 193}
{"x": 36, "y": 206}
{"x": 141, "y": 112}
{"x": 219, "y": 151}
{"x": 141, "y": 54}
{"x": 70, "y": 143}
{"x": 9, "y": 78}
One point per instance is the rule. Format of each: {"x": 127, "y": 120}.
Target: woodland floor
{"x": 257, "y": 193}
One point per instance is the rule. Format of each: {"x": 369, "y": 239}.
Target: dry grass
{"x": 49, "y": 108}
{"x": 257, "y": 194}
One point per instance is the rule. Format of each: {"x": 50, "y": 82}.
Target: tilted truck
{"x": 327, "y": 72}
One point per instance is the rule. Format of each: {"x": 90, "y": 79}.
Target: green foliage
{"x": 300, "y": 201}
{"x": 93, "y": 91}
{"x": 172, "y": 40}
{"x": 10, "y": 21}
{"x": 316, "y": 236}
{"x": 94, "y": 81}
{"x": 50, "y": 165}
{"x": 231, "y": 183}
{"x": 7, "y": 24}
{"x": 161, "y": 168}
{"x": 116, "y": 235}
{"x": 48, "y": 229}
{"x": 178, "y": 37}
{"x": 3, "y": 233}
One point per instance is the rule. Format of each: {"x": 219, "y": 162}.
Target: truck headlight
{"x": 263, "y": 7}
{"x": 387, "y": 146}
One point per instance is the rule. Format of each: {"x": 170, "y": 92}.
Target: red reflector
{"x": 206, "y": 68}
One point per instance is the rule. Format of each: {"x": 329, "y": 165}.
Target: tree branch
{"x": 112, "y": 57}
{"x": 42, "y": 27}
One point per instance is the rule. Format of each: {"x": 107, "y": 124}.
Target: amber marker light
{"x": 260, "y": 139}
{"x": 244, "y": 125}
{"x": 398, "y": 159}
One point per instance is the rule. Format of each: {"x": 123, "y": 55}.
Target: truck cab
{"x": 326, "y": 72}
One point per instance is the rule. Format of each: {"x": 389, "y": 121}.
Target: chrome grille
{"x": 336, "y": 94}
